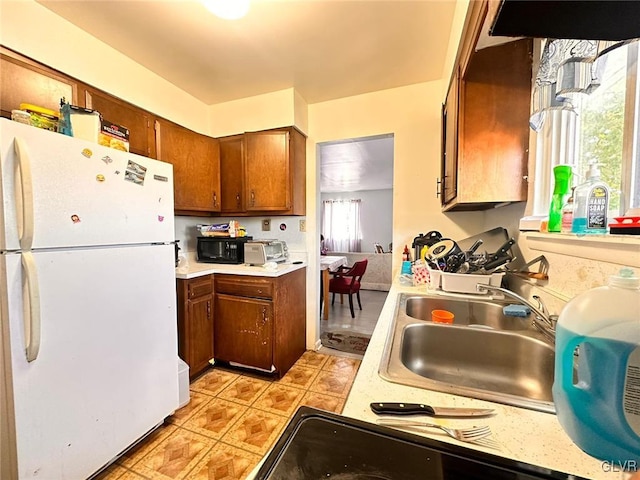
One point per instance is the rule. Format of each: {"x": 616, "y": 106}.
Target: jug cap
{"x": 626, "y": 278}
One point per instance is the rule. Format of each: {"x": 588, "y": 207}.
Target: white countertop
{"x": 533, "y": 437}
{"x": 195, "y": 269}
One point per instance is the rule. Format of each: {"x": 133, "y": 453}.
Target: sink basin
{"x": 480, "y": 312}
{"x": 484, "y": 354}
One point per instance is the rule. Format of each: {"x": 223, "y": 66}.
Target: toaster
{"x": 259, "y": 252}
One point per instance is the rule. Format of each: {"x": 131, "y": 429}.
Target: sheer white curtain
{"x": 341, "y": 225}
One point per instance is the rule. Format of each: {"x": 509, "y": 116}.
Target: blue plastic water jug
{"x": 597, "y": 371}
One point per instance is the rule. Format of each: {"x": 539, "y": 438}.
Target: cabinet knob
{"x": 209, "y": 309}
{"x": 253, "y": 198}
{"x": 215, "y": 199}
{"x": 265, "y": 318}
{"x": 238, "y": 200}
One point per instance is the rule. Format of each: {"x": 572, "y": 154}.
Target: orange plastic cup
{"x": 442, "y": 316}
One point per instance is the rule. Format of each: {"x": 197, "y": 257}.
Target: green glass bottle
{"x": 562, "y": 176}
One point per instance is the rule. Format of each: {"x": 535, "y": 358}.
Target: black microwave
{"x": 221, "y": 249}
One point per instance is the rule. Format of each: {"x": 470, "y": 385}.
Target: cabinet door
{"x": 449, "y": 170}
{"x": 25, "y": 81}
{"x": 138, "y": 121}
{"x": 196, "y": 167}
{"x": 243, "y": 331}
{"x": 232, "y": 174}
{"x": 200, "y": 332}
{"x": 268, "y": 176}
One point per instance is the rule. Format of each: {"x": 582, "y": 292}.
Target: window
{"x": 341, "y": 225}
{"x": 605, "y": 130}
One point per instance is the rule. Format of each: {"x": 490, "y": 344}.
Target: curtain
{"x": 341, "y": 225}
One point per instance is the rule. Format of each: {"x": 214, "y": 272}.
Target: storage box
{"x": 183, "y": 383}
{"x": 466, "y": 282}
{"x": 85, "y": 123}
{"x": 114, "y": 136}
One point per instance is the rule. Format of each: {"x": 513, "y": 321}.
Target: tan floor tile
{"x": 332, "y": 384}
{"x": 342, "y": 365}
{"x": 214, "y": 381}
{"x": 323, "y": 402}
{"x": 129, "y": 475}
{"x": 224, "y": 462}
{"x": 135, "y": 454}
{"x": 279, "y": 399}
{"x": 299, "y": 376}
{"x": 174, "y": 457}
{"x": 256, "y": 431}
{"x": 116, "y": 472}
{"x": 112, "y": 473}
{"x": 312, "y": 359}
{"x": 196, "y": 401}
{"x": 215, "y": 418}
{"x": 244, "y": 390}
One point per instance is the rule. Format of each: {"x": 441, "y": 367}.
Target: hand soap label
{"x": 631, "y": 397}
{"x": 597, "y": 205}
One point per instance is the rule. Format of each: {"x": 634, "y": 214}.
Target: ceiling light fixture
{"x": 227, "y": 9}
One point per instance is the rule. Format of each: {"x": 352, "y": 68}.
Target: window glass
{"x": 600, "y": 132}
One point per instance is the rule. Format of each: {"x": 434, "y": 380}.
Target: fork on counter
{"x": 471, "y": 434}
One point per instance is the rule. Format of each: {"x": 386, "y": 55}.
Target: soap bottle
{"x": 406, "y": 255}
{"x": 591, "y": 201}
{"x": 562, "y": 175}
{"x": 567, "y": 213}
{"x": 596, "y": 387}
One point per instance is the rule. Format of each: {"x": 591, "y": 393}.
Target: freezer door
{"x": 106, "y": 371}
{"x": 60, "y": 191}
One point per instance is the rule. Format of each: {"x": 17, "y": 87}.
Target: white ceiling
{"x": 325, "y": 49}
{"x": 357, "y": 164}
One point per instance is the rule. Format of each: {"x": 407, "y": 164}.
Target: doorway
{"x": 357, "y": 170}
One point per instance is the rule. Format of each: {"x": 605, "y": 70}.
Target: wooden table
{"x": 327, "y": 263}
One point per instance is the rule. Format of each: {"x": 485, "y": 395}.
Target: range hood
{"x": 575, "y": 19}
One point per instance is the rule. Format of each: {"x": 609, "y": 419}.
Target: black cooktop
{"x": 321, "y": 445}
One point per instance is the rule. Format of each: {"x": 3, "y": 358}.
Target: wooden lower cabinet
{"x": 195, "y": 322}
{"x": 244, "y": 330}
{"x": 260, "y": 321}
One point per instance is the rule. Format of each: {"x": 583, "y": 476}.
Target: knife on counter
{"x": 396, "y": 408}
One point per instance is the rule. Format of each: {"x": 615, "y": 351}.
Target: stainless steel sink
{"x": 484, "y": 354}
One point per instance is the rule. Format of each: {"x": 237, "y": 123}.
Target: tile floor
{"x": 233, "y": 419}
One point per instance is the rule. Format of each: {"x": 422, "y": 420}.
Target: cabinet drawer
{"x": 244, "y": 286}
{"x": 199, "y": 287}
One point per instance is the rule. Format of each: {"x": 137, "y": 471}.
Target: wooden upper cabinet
{"x": 232, "y": 174}
{"x": 138, "y": 121}
{"x": 24, "y": 81}
{"x": 275, "y": 165}
{"x": 486, "y": 121}
{"x": 449, "y": 181}
{"x": 196, "y": 167}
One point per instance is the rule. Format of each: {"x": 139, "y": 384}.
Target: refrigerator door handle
{"x": 31, "y": 303}
{"x": 24, "y": 195}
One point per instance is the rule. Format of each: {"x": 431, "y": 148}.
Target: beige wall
{"x": 34, "y": 31}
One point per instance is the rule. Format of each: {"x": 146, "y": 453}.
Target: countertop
{"x": 525, "y": 435}
{"x": 195, "y": 269}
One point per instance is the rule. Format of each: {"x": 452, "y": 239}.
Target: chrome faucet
{"x": 545, "y": 322}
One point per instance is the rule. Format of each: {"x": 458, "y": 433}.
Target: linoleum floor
{"x": 233, "y": 419}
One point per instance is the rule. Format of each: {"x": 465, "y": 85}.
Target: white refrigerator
{"x": 88, "y": 344}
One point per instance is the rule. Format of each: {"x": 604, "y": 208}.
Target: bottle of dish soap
{"x": 567, "y": 214}
{"x": 562, "y": 175}
{"x": 596, "y": 388}
{"x": 591, "y": 204}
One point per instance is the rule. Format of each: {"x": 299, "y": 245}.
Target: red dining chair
{"x": 346, "y": 280}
